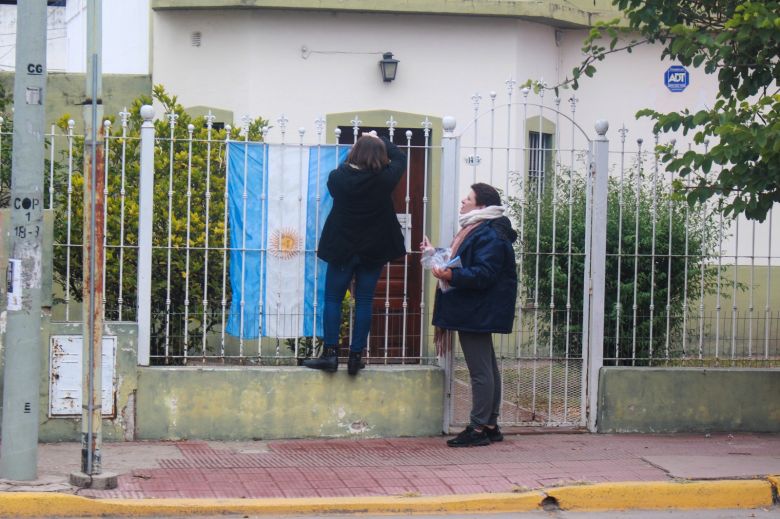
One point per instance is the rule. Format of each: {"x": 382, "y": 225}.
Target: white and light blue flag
{"x": 277, "y": 204}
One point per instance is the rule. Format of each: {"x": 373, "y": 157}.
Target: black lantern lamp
{"x": 389, "y": 66}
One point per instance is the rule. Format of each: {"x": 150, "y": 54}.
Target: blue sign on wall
{"x": 676, "y": 78}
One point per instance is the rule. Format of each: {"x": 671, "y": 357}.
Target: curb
{"x": 726, "y": 494}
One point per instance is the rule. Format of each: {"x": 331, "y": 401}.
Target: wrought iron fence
{"x": 200, "y": 232}
{"x": 685, "y": 284}
{"x": 682, "y": 282}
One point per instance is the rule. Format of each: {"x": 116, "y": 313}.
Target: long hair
{"x": 486, "y": 194}
{"x": 369, "y": 154}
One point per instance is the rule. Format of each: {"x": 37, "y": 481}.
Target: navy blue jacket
{"x": 363, "y": 222}
{"x": 483, "y": 292}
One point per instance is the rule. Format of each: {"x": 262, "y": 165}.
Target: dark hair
{"x": 486, "y": 194}
{"x": 369, "y": 154}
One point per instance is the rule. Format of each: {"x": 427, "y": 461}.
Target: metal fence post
{"x": 448, "y": 182}
{"x": 448, "y": 187}
{"x": 145, "y": 217}
{"x": 598, "y": 260}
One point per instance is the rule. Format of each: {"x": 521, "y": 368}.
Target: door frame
{"x": 404, "y": 120}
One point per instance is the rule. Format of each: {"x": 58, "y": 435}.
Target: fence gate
{"x": 544, "y": 164}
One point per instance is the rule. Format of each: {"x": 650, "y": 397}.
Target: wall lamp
{"x": 389, "y": 67}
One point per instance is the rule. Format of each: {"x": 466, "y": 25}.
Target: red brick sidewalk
{"x": 426, "y": 466}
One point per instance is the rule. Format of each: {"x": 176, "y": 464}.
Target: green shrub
{"x": 168, "y": 333}
{"x": 661, "y": 266}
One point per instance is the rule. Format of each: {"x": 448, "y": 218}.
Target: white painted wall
{"x": 250, "y": 61}
{"x": 125, "y": 37}
{"x": 625, "y": 83}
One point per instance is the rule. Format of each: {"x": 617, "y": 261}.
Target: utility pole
{"x": 92, "y": 475}
{"x": 19, "y": 453}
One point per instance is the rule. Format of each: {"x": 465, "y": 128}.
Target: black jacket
{"x": 363, "y": 222}
{"x": 483, "y": 292}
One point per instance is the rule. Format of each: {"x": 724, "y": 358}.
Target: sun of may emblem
{"x": 284, "y": 243}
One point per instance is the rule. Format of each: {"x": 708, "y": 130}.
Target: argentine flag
{"x": 277, "y": 204}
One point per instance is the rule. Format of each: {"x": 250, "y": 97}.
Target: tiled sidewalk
{"x": 426, "y": 466}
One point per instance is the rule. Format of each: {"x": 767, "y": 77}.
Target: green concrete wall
{"x": 565, "y": 13}
{"x": 66, "y": 92}
{"x": 117, "y": 428}
{"x": 668, "y": 400}
{"x": 243, "y": 403}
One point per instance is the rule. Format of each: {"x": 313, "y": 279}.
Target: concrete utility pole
{"x": 92, "y": 475}
{"x": 19, "y": 454}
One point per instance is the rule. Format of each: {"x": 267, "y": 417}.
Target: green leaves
{"x": 195, "y": 273}
{"x": 650, "y": 228}
{"x": 740, "y": 41}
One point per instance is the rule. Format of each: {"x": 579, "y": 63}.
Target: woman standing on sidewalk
{"x": 360, "y": 235}
{"x": 480, "y": 301}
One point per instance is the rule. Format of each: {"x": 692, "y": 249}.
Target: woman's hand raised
{"x": 425, "y": 244}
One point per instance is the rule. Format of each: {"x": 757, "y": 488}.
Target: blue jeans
{"x": 337, "y": 281}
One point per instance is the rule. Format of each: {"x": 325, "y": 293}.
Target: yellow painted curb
{"x": 30, "y": 504}
{"x": 665, "y": 495}
{"x": 602, "y": 496}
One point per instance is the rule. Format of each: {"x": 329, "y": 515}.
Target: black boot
{"x": 328, "y": 361}
{"x": 355, "y": 362}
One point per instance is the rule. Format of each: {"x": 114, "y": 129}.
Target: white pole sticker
{"x": 14, "y": 282}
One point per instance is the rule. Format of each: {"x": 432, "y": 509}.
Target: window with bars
{"x": 539, "y": 158}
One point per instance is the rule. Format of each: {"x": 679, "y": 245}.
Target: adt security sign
{"x": 676, "y": 78}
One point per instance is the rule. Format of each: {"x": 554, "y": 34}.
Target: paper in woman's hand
{"x": 439, "y": 257}
{"x": 435, "y": 257}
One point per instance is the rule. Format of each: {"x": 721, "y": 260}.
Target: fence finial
{"x": 448, "y": 123}
{"x": 426, "y": 124}
{"x": 623, "y": 131}
{"x": 356, "y": 122}
{"x": 147, "y": 113}
{"x": 245, "y": 122}
{"x": 319, "y": 124}
{"x": 510, "y": 86}
{"x": 124, "y": 115}
{"x": 601, "y": 127}
{"x": 475, "y": 99}
{"x": 283, "y": 120}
